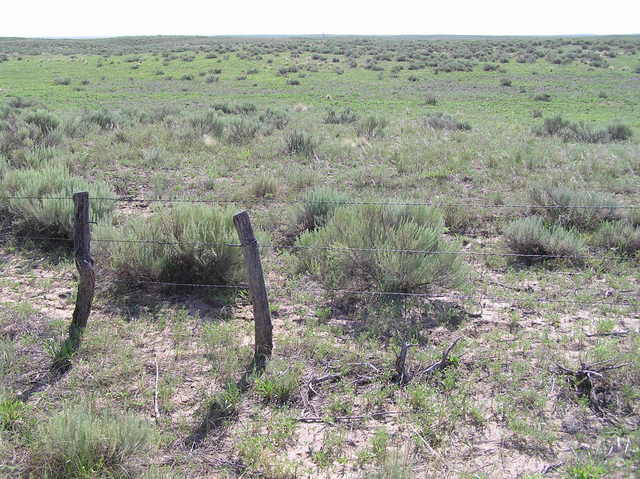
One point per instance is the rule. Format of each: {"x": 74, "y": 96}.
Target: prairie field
{"x": 449, "y": 229}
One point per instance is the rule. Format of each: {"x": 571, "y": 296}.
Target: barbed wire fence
{"x": 251, "y": 251}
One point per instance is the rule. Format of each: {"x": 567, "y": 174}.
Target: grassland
{"x": 544, "y": 378}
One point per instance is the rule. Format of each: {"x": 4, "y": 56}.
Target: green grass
{"x": 81, "y": 443}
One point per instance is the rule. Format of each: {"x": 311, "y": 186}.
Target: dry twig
{"x": 155, "y": 392}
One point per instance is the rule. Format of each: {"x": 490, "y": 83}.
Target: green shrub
{"x": 345, "y": 116}
{"x": 531, "y": 236}
{"x": 245, "y": 108}
{"x": 300, "y": 143}
{"x": 632, "y": 216}
{"x": 430, "y": 100}
{"x": 7, "y": 357}
{"x": 442, "y": 121}
{"x": 618, "y": 235}
{"x": 207, "y": 123}
{"x": 225, "y": 403}
{"x": 587, "y": 470}
{"x": 50, "y": 216}
{"x": 12, "y": 413}
{"x": 19, "y": 102}
{"x": 224, "y": 108}
{"x": 265, "y": 186}
{"x": 395, "y": 465}
{"x": 542, "y": 97}
{"x": 74, "y": 126}
{"x": 43, "y": 120}
{"x": 317, "y": 207}
{"x": 16, "y": 133}
{"x": 455, "y": 65}
{"x": 105, "y": 119}
{"x": 383, "y": 228}
{"x": 592, "y": 208}
{"x": 80, "y": 442}
{"x": 199, "y": 256}
{"x": 35, "y": 157}
{"x": 242, "y": 131}
{"x": 582, "y": 133}
{"x": 13, "y": 136}
{"x": 5, "y": 111}
{"x": 227, "y": 109}
{"x": 459, "y": 219}
{"x": 619, "y": 132}
{"x": 372, "y": 127}
{"x": 279, "y": 382}
{"x": 553, "y": 126}
{"x": 4, "y": 166}
{"x": 275, "y": 120}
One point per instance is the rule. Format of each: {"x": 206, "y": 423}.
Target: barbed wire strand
{"x": 191, "y": 285}
{"x": 323, "y": 248}
{"x": 136, "y": 281}
{"x": 434, "y": 296}
{"x": 339, "y": 203}
{"x": 492, "y": 298}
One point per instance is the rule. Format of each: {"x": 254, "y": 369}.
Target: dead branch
{"x": 315, "y": 381}
{"x": 328, "y": 377}
{"x": 550, "y": 468}
{"x": 612, "y": 333}
{"x": 329, "y": 420}
{"x": 585, "y": 381}
{"x": 443, "y": 362}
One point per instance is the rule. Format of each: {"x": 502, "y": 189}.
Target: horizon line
{"x": 297, "y": 35}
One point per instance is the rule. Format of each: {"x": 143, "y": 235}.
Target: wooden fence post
{"x": 84, "y": 263}
{"x": 257, "y": 288}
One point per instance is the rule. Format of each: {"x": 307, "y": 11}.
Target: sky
{"x": 73, "y": 18}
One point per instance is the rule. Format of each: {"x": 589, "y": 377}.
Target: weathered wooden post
{"x": 84, "y": 263}
{"x": 257, "y": 288}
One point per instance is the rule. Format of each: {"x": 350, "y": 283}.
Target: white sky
{"x": 68, "y": 18}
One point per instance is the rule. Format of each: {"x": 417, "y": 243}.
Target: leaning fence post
{"x": 84, "y": 263}
{"x": 257, "y": 288}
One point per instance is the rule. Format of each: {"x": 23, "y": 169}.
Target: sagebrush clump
{"x": 80, "y": 442}
{"x": 195, "y": 249}
{"x": 300, "y": 143}
{"x": 371, "y": 229}
{"x": 581, "y": 132}
{"x": 583, "y": 210}
{"x": 207, "y": 123}
{"x": 105, "y": 119}
{"x": 442, "y": 121}
{"x": 344, "y": 117}
{"x": 317, "y": 207}
{"x": 372, "y": 127}
{"x": 45, "y": 206}
{"x": 242, "y": 131}
{"x": 537, "y": 241}
{"x": 619, "y": 236}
